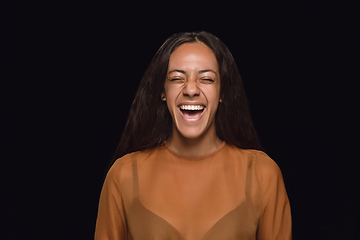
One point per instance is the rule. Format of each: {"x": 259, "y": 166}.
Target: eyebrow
{"x": 206, "y": 70}
{"x": 177, "y": 70}
{"x": 183, "y": 72}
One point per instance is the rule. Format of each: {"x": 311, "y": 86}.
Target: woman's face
{"x": 192, "y": 89}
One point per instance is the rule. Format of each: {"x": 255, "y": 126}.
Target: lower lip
{"x": 194, "y": 119}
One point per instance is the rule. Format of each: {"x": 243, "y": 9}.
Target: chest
{"x": 194, "y": 200}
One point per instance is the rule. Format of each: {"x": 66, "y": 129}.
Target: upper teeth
{"x": 191, "y": 107}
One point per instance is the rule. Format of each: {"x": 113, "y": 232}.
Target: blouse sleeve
{"x": 275, "y": 222}
{"x": 110, "y": 223}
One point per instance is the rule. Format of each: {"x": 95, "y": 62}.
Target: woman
{"x": 189, "y": 164}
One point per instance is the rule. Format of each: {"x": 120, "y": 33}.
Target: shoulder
{"x": 267, "y": 172}
{"x": 264, "y": 166}
{"x": 122, "y": 168}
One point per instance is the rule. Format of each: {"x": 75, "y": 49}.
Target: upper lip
{"x": 191, "y": 103}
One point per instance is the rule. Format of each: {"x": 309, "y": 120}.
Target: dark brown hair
{"x": 150, "y": 124}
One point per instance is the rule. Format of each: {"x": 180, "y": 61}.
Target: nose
{"x": 191, "y": 89}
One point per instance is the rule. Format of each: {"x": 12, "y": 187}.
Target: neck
{"x": 194, "y": 147}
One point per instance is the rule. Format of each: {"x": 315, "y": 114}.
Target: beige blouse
{"x": 158, "y": 194}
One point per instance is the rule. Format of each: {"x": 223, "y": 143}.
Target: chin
{"x": 192, "y": 131}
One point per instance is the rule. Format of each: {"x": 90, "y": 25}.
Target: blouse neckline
{"x": 221, "y": 146}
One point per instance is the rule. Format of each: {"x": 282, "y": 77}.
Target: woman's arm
{"x": 275, "y": 222}
{"x": 111, "y": 223}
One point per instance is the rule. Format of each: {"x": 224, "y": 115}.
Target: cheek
{"x": 171, "y": 95}
{"x": 212, "y": 94}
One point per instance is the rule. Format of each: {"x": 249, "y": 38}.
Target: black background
{"x": 72, "y": 71}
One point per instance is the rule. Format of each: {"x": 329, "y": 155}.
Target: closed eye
{"x": 207, "y": 80}
{"x": 176, "y": 79}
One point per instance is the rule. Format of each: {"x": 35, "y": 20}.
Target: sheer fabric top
{"x": 231, "y": 193}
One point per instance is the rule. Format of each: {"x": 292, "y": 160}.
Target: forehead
{"x": 192, "y": 56}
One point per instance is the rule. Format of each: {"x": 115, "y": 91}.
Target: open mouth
{"x": 191, "y": 111}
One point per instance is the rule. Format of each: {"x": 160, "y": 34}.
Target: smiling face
{"x": 192, "y": 90}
